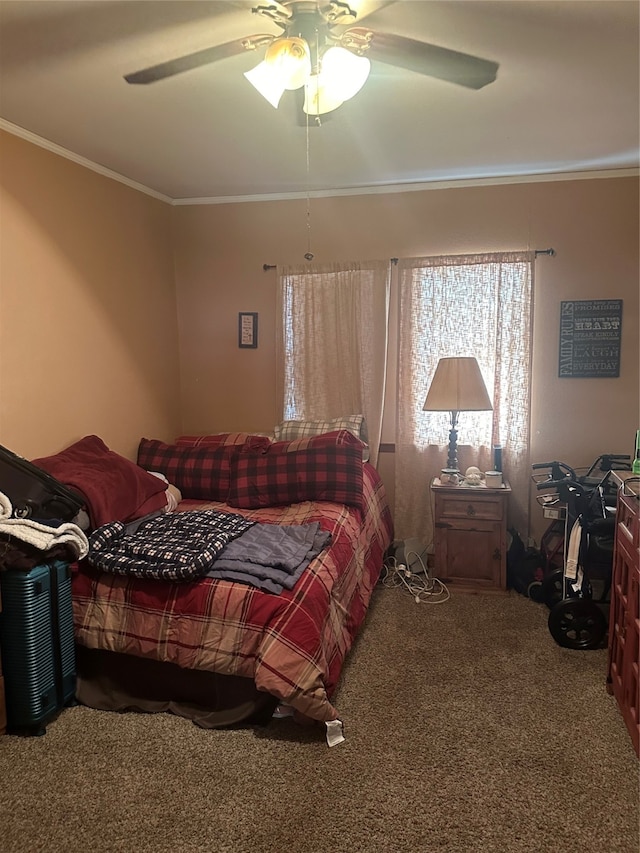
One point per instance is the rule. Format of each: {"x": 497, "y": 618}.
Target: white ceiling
{"x": 566, "y": 98}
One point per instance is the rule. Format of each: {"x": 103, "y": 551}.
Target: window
{"x": 478, "y": 305}
{"x": 333, "y": 342}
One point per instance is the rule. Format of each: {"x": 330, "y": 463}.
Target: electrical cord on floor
{"x": 420, "y": 585}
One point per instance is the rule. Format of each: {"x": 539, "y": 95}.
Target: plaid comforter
{"x": 292, "y": 645}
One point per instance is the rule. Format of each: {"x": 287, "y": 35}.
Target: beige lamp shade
{"x": 457, "y": 386}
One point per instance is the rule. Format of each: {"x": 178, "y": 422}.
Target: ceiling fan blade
{"x": 196, "y": 60}
{"x": 423, "y": 58}
{"x": 365, "y": 8}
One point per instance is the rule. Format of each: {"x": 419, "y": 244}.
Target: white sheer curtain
{"x": 332, "y": 346}
{"x": 465, "y": 305}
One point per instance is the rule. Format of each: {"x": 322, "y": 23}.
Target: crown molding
{"x": 450, "y": 183}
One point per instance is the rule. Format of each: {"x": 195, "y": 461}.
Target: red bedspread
{"x": 292, "y": 645}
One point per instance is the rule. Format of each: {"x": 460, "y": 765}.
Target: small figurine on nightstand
{"x": 472, "y": 476}
{"x": 449, "y": 477}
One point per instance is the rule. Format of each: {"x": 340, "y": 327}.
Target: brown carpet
{"x": 468, "y": 729}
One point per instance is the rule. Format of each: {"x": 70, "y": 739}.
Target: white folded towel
{"x": 42, "y": 536}
{"x": 5, "y": 507}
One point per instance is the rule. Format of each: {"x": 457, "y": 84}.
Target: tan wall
{"x": 591, "y": 224}
{"x": 88, "y": 338}
{"x": 88, "y": 331}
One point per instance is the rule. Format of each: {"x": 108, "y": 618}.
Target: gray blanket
{"x": 270, "y": 557}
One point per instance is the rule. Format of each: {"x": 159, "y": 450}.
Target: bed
{"x": 219, "y": 651}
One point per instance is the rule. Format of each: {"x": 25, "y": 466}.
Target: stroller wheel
{"x": 553, "y": 588}
{"x": 535, "y": 592}
{"x": 577, "y": 623}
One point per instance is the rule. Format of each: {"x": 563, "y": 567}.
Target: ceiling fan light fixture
{"x": 264, "y": 81}
{"x": 318, "y": 99}
{"x": 286, "y": 65}
{"x": 343, "y": 71}
{"x": 342, "y": 74}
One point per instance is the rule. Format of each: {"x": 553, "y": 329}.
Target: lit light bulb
{"x": 342, "y": 75}
{"x": 286, "y": 65}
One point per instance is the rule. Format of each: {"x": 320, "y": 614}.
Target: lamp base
{"x": 452, "y": 459}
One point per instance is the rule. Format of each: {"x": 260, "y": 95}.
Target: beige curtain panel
{"x": 332, "y": 344}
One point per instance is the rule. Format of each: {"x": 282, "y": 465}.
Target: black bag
{"x": 525, "y": 568}
{"x": 34, "y": 493}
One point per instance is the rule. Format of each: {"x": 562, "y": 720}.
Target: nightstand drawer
{"x": 486, "y": 507}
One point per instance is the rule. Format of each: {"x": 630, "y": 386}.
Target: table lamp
{"x": 457, "y": 386}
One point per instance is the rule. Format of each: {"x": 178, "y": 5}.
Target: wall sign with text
{"x": 590, "y": 338}
{"x": 248, "y": 330}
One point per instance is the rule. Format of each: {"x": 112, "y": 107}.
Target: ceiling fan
{"x": 313, "y": 33}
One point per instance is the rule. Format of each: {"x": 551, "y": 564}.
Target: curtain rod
{"x": 550, "y": 252}
{"x": 267, "y": 267}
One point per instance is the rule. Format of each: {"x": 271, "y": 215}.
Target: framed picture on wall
{"x": 248, "y": 329}
{"x": 590, "y": 338}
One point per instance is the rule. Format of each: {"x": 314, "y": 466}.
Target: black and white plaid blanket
{"x": 179, "y": 546}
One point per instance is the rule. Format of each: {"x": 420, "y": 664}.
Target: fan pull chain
{"x": 308, "y": 254}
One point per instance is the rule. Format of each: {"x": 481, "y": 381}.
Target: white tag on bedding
{"x": 335, "y": 732}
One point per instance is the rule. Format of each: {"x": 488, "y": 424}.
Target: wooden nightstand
{"x": 470, "y": 536}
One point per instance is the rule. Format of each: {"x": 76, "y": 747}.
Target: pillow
{"x": 200, "y": 473}
{"x": 356, "y": 424}
{"x": 223, "y": 439}
{"x": 326, "y": 467}
{"x": 114, "y": 488}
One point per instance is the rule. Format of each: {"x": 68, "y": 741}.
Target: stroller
{"x": 583, "y": 508}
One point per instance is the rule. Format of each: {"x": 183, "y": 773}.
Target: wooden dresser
{"x": 624, "y": 616}
{"x": 3, "y": 709}
{"x": 470, "y": 536}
